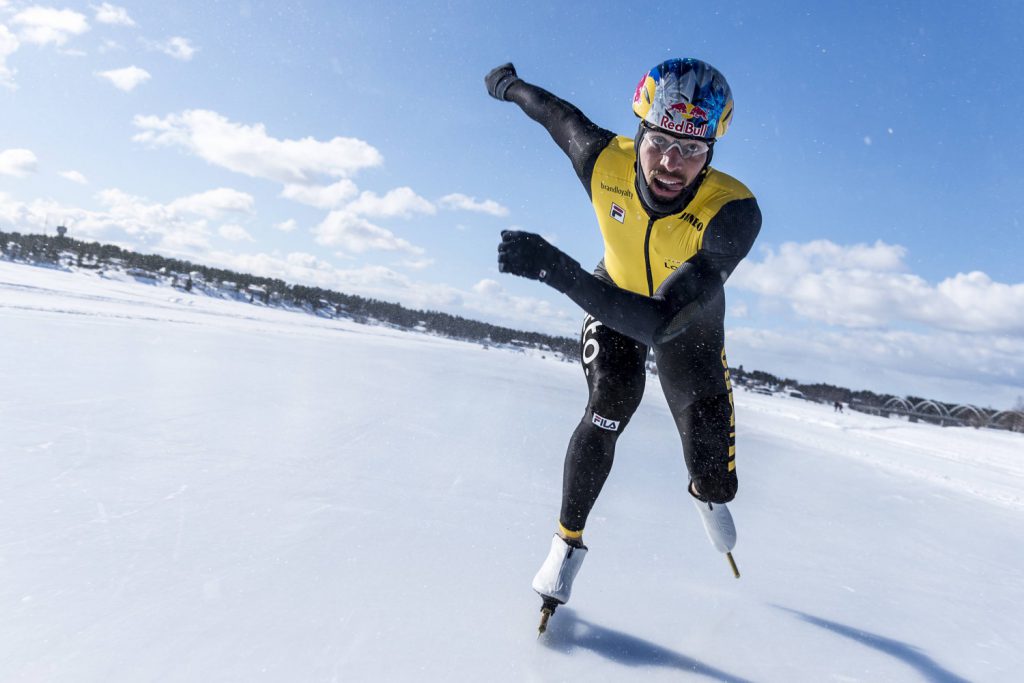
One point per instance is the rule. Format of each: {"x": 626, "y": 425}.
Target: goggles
{"x": 663, "y": 142}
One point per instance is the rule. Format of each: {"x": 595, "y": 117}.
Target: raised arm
{"x": 579, "y": 137}
{"x": 678, "y": 301}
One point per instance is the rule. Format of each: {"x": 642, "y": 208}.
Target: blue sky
{"x": 353, "y": 145}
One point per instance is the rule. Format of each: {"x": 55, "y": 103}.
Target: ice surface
{"x": 196, "y": 489}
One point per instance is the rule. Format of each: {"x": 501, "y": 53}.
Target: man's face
{"x": 669, "y": 163}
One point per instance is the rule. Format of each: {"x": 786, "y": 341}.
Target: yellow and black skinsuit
{"x": 658, "y": 287}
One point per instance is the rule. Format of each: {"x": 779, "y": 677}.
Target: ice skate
{"x": 554, "y": 580}
{"x": 719, "y": 527}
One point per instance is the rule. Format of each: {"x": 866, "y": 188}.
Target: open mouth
{"x": 666, "y": 185}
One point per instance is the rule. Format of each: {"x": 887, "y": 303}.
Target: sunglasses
{"x": 688, "y": 148}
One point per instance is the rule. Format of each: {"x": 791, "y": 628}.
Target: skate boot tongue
{"x": 554, "y": 580}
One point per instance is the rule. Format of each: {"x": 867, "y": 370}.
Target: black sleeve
{"x": 580, "y": 138}
{"x": 684, "y": 294}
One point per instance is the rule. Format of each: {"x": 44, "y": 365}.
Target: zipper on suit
{"x": 647, "y": 257}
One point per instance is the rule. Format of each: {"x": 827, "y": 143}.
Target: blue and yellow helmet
{"x": 685, "y": 97}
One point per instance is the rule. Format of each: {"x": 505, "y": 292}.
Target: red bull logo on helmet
{"x": 686, "y": 97}
{"x": 688, "y": 111}
{"x": 684, "y": 127}
{"x": 692, "y": 119}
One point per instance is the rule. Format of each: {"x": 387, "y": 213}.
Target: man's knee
{"x": 617, "y": 400}
{"x": 604, "y": 421}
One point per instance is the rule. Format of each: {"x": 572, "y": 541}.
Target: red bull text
{"x": 684, "y": 127}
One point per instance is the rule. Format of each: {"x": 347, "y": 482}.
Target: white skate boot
{"x": 719, "y": 527}
{"x": 718, "y": 524}
{"x": 554, "y": 580}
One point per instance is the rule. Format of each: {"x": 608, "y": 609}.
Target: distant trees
{"x": 189, "y": 276}
{"x": 35, "y": 248}
{"x": 824, "y": 393}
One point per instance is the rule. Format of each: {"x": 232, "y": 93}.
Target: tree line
{"x": 62, "y": 250}
{"x": 825, "y": 393}
{"x": 66, "y": 251}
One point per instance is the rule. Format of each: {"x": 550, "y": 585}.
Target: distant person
{"x": 674, "y": 228}
{"x": 837, "y": 407}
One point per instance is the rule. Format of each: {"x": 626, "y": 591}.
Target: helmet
{"x": 686, "y": 97}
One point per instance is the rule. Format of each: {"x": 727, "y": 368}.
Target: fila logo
{"x": 618, "y": 213}
{"x": 604, "y": 423}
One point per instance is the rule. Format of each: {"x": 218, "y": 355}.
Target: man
{"x": 674, "y": 229}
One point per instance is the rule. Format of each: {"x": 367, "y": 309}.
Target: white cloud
{"x": 170, "y": 229}
{"x": 489, "y": 287}
{"x": 149, "y": 224}
{"x": 234, "y": 233}
{"x": 944, "y": 365}
{"x": 9, "y": 44}
{"x": 75, "y": 177}
{"x": 111, "y": 14}
{"x": 185, "y": 243}
{"x": 866, "y": 286}
{"x": 46, "y": 25}
{"x": 295, "y": 267}
{"x": 287, "y": 226}
{"x": 861, "y": 320}
{"x": 110, "y": 46}
{"x": 738, "y": 310}
{"x": 125, "y": 79}
{"x": 181, "y": 225}
{"x": 175, "y": 46}
{"x": 18, "y": 162}
{"x": 214, "y": 203}
{"x": 249, "y": 150}
{"x": 462, "y": 202}
{"x": 491, "y": 298}
{"x": 416, "y": 264}
{"x": 401, "y": 201}
{"x": 355, "y": 234}
{"x": 321, "y": 196}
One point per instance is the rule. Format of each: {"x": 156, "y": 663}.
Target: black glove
{"x": 529, "y": 255}
{"x": 500, "y": 79}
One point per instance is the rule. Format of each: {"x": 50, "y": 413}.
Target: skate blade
{"x": 544, "y": 616}
{"x": 732, "y": 564}
{"x": 546, "y": 610}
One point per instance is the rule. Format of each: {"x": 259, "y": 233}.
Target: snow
{"x": 202, "y": 489}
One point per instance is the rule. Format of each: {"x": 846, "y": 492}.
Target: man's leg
{"x": 614, "y": 366}
{"x": 615, "y": 369}
{"x": 708, "y": 430}
{"x": 694, "y": 375}
{"x": 699, "y": 394}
